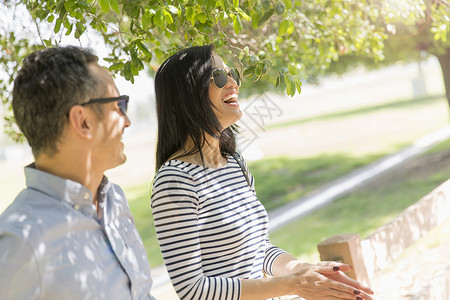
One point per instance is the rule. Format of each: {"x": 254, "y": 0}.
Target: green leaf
{"x": 243, "y": 14}
{"x": 143, "y": 49}
{"x": 115, "y": 5}
{"x": 283, "y": 27}
{"x": 158, "y": 19}
{"x": 265, "y": 68}
{"x": 298, "y": 85}
{"x": 237, "y": 24}
{"x": 288, "y": 4}
{"x": 48, "y": 42}
{"x": 79, "y": 30}
{"x": 290, "y": 86}
{"x": 57, "y": 25}
{"x": 253, "y": 60}
{"x": 265, "y": 4}
{"x": 116, "y": 66}
{"x": 168, "y": 17}
{"x": 280, "y": 8}
{"x": 83, "y": 5}
{"x": 135, "y": 12}
{"x": 201, "y": 17}
{"x": 265, "y": 17}
{"x": 290, "y": 28}
{"x": 235, "y": 3}
{"x": 255, "y": 19}
{"x": 147, "y": 19}
{"x": 258, "y": 73}
{"x": 127, "y": 71}
{"x": 69, "y": 28}
{"x": 190, "y": 13}
{"x": 277, "y": 82}
{"x": 104, "y": 4}
{"x": 249, "y": 71}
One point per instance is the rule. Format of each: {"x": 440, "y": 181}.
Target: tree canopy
{"x": 281, "y": 42}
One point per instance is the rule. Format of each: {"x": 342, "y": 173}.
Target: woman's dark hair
{"x": 49, "y": 83}
{"x": 183, "y": 105}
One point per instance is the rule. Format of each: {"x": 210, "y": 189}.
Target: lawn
{"x": 368, "y": 207}
{"x": 284, "y": 179}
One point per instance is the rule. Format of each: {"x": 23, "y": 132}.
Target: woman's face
{"x": 225, "y": 105}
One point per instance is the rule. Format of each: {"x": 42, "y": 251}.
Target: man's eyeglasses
{"x": 220, "y": 77}
{"x": 122, "y": 102}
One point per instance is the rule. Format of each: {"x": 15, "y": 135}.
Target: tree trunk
{"x": 444, "y": 61}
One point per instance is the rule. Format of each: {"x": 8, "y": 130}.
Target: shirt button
{"x": 76, "y": 206}
{"x": 86, "y": 196}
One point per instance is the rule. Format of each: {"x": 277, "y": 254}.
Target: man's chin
{"x": 123, "y": 160}
{"x": 119, "y": 162}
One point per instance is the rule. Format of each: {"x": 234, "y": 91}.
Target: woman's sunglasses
{"x": 122, "y": 102}
{"x": 220, "y": 77}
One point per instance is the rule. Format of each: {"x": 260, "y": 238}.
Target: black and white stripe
{"x": 211, "y": 228}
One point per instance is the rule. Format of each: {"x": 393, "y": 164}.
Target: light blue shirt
{"x": 54, "y": 245}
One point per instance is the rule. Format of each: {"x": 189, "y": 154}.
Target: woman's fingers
{"x": 341, "y": 277}
{"x": 327, "y": 277}
{"x": 331, "y": 270}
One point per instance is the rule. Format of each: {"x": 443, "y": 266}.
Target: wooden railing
{"x": 386, "y": 244}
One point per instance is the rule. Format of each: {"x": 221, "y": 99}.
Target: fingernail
{"x": 335, "y": 268}
{"x": 356, "y": 292}
{"x": 359, "y": 298}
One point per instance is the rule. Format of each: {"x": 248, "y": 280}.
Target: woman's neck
{"x": 212, "y": 157}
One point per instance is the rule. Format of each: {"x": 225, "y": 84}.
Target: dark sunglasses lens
{"x": 235, "y": 75}
{"x": 123, "y": 106}
{"x": 220, "y": 78}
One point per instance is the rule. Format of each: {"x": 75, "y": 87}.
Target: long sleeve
{"x": 175, "y": 210}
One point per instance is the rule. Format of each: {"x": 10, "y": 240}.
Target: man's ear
{"x": 80, "y": 121}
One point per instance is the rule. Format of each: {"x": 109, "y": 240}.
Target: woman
{"x": 211, "y": 228}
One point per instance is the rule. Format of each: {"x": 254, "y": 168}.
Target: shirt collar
{"x": 63, "y": 189}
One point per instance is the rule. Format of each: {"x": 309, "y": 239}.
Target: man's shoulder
{"x": 21, "y": 216}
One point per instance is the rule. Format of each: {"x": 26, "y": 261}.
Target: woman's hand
{"x": 326, "y": 280}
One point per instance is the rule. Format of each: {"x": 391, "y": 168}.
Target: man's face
{"x": 108, "y": 147}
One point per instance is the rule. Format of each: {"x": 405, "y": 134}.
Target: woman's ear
{"x": 80, "y": 121}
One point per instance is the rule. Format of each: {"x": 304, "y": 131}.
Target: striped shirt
{"x": 211, "y": 228}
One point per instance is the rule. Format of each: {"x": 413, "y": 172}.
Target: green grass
{"x": 445, "y": 145}
{"x": 282, "y": 180}
{"x": 362, "y": 211}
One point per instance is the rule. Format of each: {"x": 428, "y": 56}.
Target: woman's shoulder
{"x": 174, "y": 169}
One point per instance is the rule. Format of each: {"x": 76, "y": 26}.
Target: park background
{"x": 297, "y": 145}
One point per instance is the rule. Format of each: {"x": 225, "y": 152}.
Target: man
{"x": 70, "y": 233}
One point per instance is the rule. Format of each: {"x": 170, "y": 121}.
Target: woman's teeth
{"x": 230, "y": 98}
